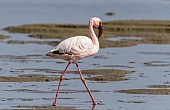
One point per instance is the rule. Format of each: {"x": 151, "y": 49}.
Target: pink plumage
{"x": 76, "y": 48}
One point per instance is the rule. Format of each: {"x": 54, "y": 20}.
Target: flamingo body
{"x": 76, "y": 48}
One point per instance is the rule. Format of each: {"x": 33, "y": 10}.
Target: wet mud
{"x": 132, "y": 101}
{"x": 27, "y": 78}
{"x": 154, "y": 32}
{"x": 32, "y": 42}
{"x": 3, "y": 37}
{"x": 152, "y": 90}
{"x": 116, "y": 34}
{"x": 45, "y": 108}
{"x": 147, "y": 91}
{"x": 93, "y": 75}
{"x": 106, "y": 74}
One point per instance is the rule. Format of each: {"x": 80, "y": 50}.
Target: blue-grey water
{"x": 19, "y": 12}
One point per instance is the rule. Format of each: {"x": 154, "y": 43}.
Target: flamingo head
{"x": 98, "y": 24}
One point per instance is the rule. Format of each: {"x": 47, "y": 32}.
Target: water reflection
{"x": 93, "y": 107}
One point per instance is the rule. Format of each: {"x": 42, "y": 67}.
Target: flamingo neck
{"x": 92, "y": 34}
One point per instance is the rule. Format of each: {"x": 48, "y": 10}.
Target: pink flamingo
{"x": 78, "y": 47}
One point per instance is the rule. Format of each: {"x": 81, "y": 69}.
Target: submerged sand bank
{"x": 93, "y": 75}
{"x": 155, "y": 32}
{"x": 3, "y": 37}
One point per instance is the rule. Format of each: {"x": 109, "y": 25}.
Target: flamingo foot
{"x": 54, "y": 104}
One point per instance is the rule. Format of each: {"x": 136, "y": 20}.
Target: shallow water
{"x": 150, "y": 62}
{"x": 18, "y": 12}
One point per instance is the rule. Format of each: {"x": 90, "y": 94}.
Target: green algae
{"x": 106, "y": 74}
{"x": 147, "y": 91}
{"x": 27, "y": 78}
{"x": 3, "y": 37}
{"x": 93, "y": 75}
{"x": 45, "y": 107}
{"x": 152, "y": 90}
{"x": 152, "y": 31}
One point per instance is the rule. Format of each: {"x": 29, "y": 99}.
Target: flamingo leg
{"x": 84, "y": 82}
{"x": 61, "y": 78}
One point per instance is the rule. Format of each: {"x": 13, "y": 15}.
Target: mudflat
{"x": 116, "y": 34}
{"x": 151, "y": 31}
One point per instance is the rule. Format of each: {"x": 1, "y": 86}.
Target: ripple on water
{"x": 157, "y": 63}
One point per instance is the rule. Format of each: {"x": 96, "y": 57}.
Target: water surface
{"x": 149, "y": 62}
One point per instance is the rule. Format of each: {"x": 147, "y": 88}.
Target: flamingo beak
{"x": 100, "y": 28}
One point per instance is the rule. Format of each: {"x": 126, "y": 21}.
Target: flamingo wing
{"x": 77, "y": 46}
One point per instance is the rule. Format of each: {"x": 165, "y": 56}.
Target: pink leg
{"x": 93, "y": 107}
{"x": 84, "y": 82}
{"x": 61, "y": 78}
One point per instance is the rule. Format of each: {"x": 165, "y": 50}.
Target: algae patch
{"x": 3, "y": 37}
{"x": 106, "y": 74}
{"x": 152, "y": 90}
{"x": 27, "y": 78}
{"x": 147, "y": 91}
{"x": 93, "y": 75}
{"x": 45, "y": 107}
{"x": 155, "y": 32}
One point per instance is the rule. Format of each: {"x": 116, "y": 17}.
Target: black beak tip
{"x": 100, "y": 28}
{"x": 48, "y": 54}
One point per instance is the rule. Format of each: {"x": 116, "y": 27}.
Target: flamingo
{"x": 75, "y": 48}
